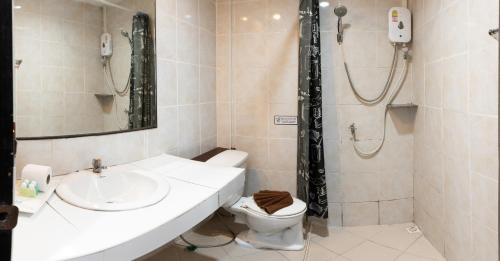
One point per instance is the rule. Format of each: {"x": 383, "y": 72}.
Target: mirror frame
{"x": 90, "y": 134}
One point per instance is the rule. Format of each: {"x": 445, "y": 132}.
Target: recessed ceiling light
{"x": 276, "y": 16}
{"x": 324, "y": 4}
{"x": 188, "y": 16}
{"x": 17, "y": 7}
{"x": 244, "y": 18}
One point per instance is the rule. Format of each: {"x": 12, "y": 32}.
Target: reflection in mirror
{"x": 84, "y": 66}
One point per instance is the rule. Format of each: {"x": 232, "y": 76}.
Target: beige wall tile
{"x": 187, "y": 43}
{"x": 257, "y": 148}
{"x": 282, "y": 84}
{"x": 250, "y": 85}
{"x": 395, "y": 185}
{"x": 249, "y": 17}
{"x": 355, "y": 214}
{"x": 457, "y": 184}
{"x": 458, "y": 235}
{"x": 456, "y": 135}
{"x": 353, "y": 187}
{"x": 455, "y": 22}
{"x": 433, "y": 44}
{"x": 431, "y": 9}
{"x": 484, "y": 243}
{"x": 166, "y": 82}
{"x": 455, "y": 89}
{"x": 396, "y": 211}
{"x": 207, "y": 48}
{"x": 223, "y": 125}
{"x": 250, "y": 119}
{"x": 434, "y": 80}
{"x": 208, "y": 121}
{"x": 282, "y": 15}
{"x": 248, "y": 45}
{"x": 484, "y": 196}
{"x": 283, "y": 154}
{"x": 207, "y": 12}
{"x": 164, "y": 138}
{"x": 223, "y": 17}
{"x": 483, "y": 81}
{"x": 484, "y": 145}
{"x": 207, "y": 84}
{"x": 165, "y": 7}
{"x": 189, "y": 136}
{"x": 187, "y": 11}
{"x": 188, "y": 88}
{"x": 433, "y": 230}
{"x": 166, "y": 37}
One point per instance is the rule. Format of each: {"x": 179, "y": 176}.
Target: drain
{"x": 413, "y": 229}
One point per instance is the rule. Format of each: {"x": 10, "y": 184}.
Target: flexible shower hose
{"x": 387, "y": 84}
{"x": 110, "y": 83}
{"x": 393, "y": 96}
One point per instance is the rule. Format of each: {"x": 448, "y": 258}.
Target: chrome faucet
{"x": 97, "y": 166}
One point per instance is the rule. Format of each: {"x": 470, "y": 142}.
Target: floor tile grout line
{"x": 417, "y": 255}
{"x": 325, "y": 248}
{"x": 404, "y": 251}
{"x": 356, "y": 246}
{"x": 353, "y": 247}
{"x": 382, "y": 245}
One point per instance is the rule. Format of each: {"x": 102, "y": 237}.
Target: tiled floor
{"x": 368, "y": 243}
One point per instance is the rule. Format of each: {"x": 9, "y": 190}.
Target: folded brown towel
{"x": 272, "y": 201}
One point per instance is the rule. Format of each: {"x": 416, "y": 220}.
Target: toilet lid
{"x": 298, "y": 206}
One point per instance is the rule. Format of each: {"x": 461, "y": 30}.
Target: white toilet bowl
{"x": 280, "y": 230}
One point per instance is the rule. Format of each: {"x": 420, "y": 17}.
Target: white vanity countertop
{"x": 221, "y": 179}
{"x": 62, "y": 231}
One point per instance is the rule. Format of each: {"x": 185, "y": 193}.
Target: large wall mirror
{"x": 84, "y": 67}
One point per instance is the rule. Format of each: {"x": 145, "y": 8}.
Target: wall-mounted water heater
{"x": 106, "y": 45}
{"x": 399, "y": 25}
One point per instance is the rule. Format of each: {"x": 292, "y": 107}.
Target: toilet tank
{"x": 229, "y": 158}
{"x": 233, "y": 191}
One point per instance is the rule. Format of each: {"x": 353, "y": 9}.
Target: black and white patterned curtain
{"x": 142, "y": 109}
{"x": 311, "y": 181}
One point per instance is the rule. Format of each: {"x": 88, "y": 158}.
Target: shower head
{"x": 124, "y": 33}
{"x": 340, "y": 10}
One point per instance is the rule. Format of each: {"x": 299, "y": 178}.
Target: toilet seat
{"x": 248, "y": 205}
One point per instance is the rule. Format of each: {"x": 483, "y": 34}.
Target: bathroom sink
{"x": 113, "y": 190}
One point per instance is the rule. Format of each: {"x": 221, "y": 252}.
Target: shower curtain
{"x": 142, "y": 90}
{"x": 311, "y": 182}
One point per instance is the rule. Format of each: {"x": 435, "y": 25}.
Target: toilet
{"x": 281, "y": 230}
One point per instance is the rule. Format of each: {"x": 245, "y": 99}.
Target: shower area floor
{"x": 363, "y": 243}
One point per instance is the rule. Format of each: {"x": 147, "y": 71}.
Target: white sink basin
{"x": 113, "y": 190}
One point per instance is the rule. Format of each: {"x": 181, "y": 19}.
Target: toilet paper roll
{"x": 41, "y": 174}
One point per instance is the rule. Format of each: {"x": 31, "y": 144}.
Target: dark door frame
{"x": 7, "y": 135}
